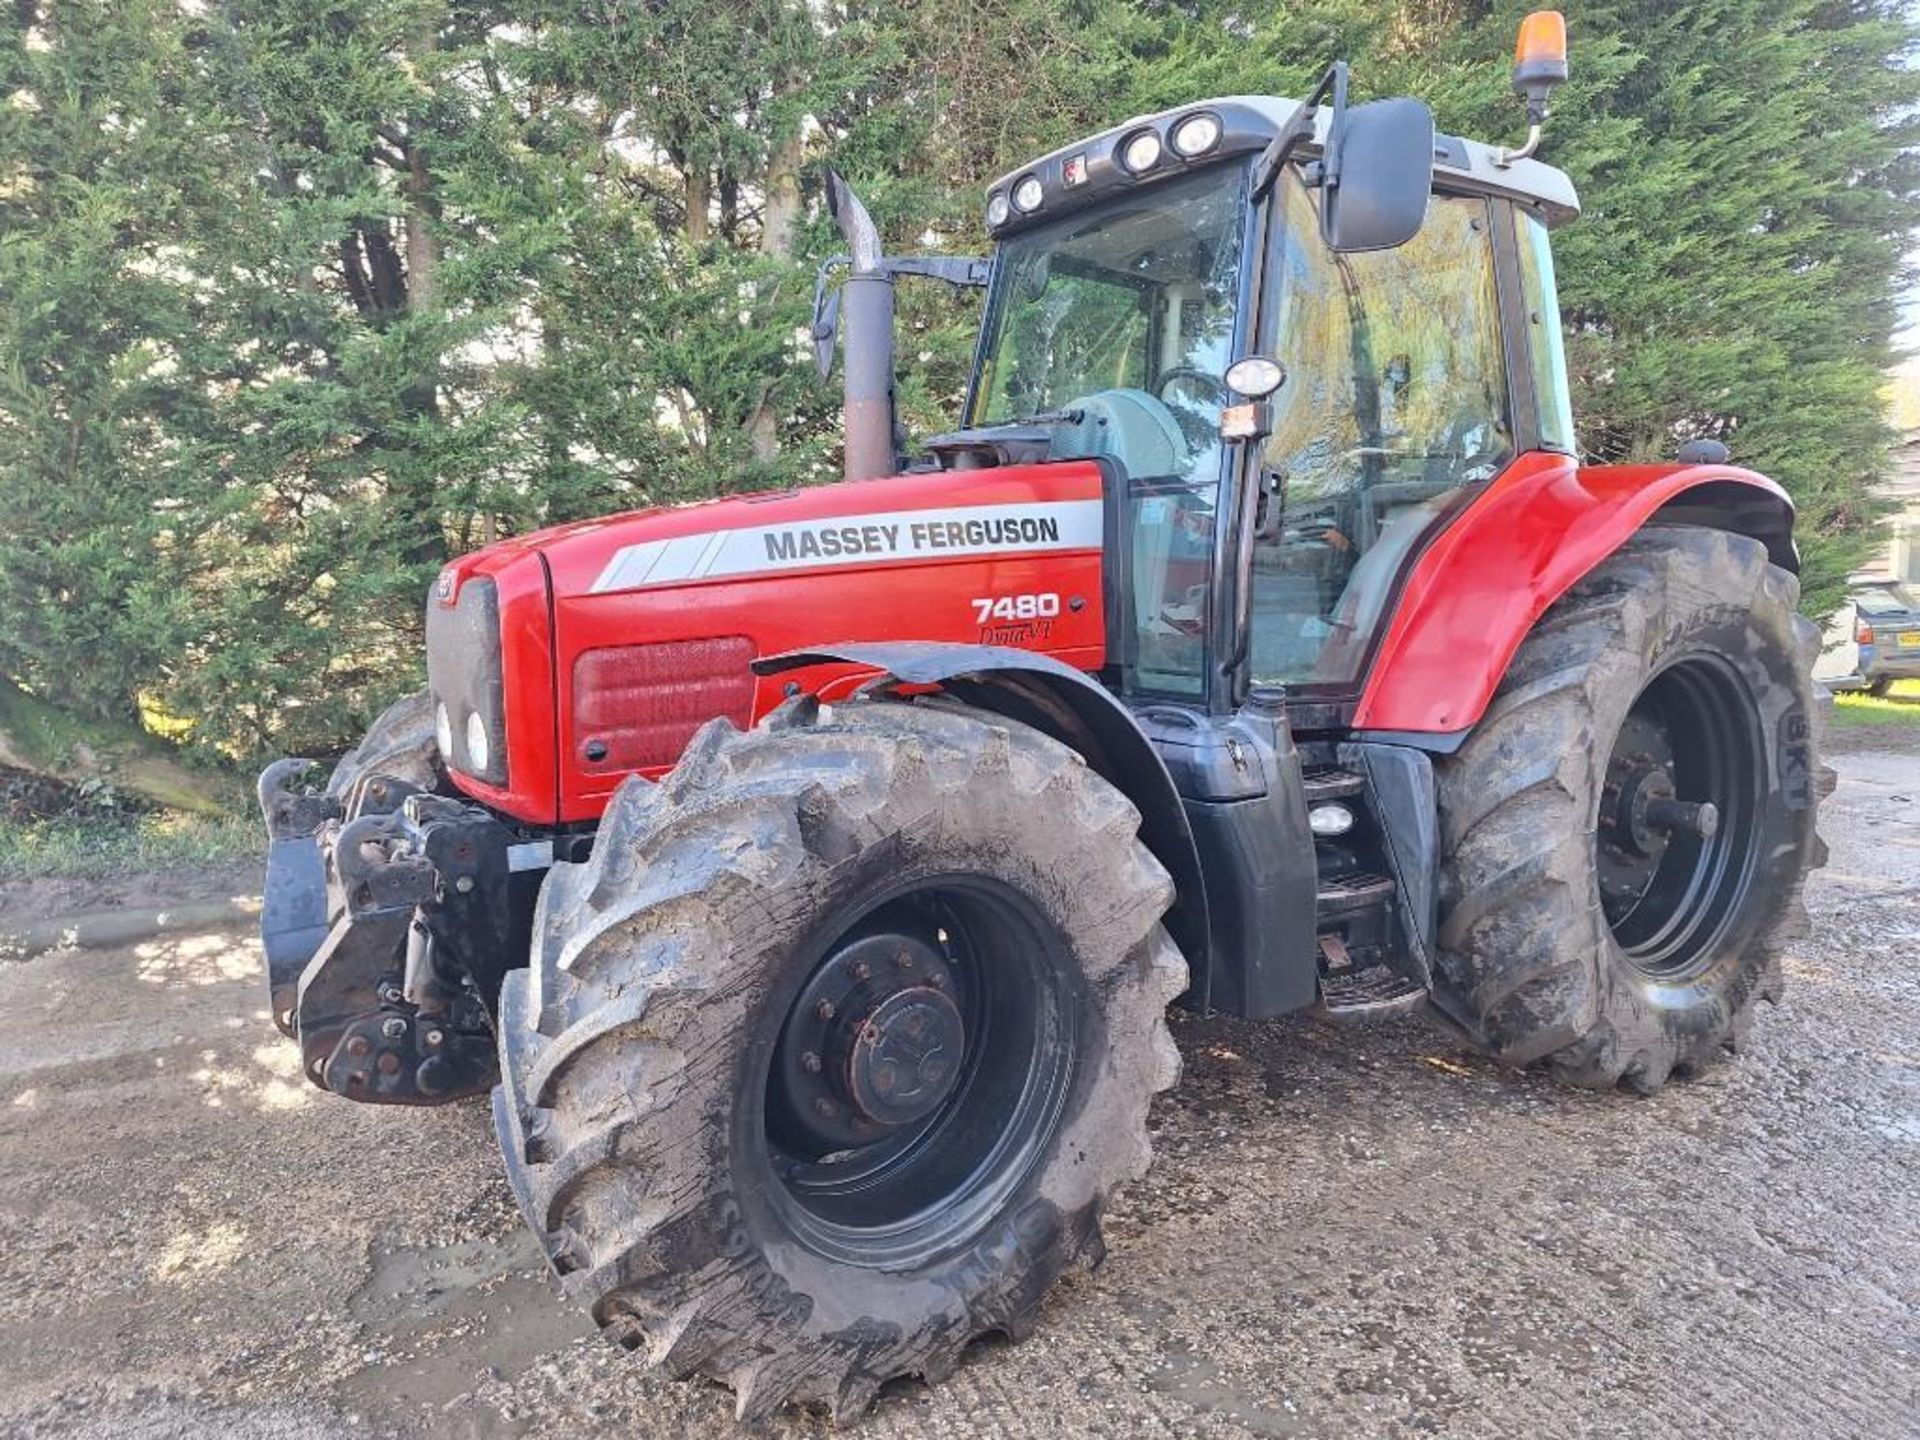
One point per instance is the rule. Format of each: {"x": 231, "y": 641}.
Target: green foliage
{"x": 299, "y": 297}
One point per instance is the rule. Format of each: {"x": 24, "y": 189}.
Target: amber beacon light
{"x": 1539, "y": 64}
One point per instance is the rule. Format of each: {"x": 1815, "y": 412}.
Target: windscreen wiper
{"x": 1019, "y": 422}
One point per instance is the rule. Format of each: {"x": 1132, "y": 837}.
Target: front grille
{"x": 636, "y": 706}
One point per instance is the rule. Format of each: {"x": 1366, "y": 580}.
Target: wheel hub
{"x": 906, "y": 1056}
{"x": 875, "y": 1042}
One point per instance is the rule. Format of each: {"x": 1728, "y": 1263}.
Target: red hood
{"x": 651, "y": 617}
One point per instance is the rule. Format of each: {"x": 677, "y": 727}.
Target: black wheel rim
{"x": 1676, "y": 835}
{"x": 919, "y": 1072}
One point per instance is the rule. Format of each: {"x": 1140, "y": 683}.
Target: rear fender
{"x": 1076, "y": 710}
{"x": 1477, "y": 590}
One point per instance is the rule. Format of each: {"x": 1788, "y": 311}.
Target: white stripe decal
{"x": 952, "y": 533}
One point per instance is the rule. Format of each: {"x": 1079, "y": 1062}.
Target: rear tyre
{"x": 831, "y": 1054}
{"x": 1626, "y": 832}
{"x": 1880, "y": 687}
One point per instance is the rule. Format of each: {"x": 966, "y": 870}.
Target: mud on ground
{"x": 1347, "y": 1233}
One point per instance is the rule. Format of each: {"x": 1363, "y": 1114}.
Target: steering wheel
{"x": 1215, "y": 387}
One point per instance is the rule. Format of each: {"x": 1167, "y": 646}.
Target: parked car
{"x": 1872, "y": 640}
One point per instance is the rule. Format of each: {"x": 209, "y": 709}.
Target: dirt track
{"x": 1348, "y": 1232}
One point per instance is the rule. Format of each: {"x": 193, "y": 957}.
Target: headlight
{"x": 1027, "y": 194}
{"x": 478, "y": 746}
{"x": 1195, "y": 135}
{"x": 996, "y": 211}
{"x": 1141, "y": 151}
{"x": 464, "y": 672}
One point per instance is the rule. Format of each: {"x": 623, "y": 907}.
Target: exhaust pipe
{"x": 866, "y": 311}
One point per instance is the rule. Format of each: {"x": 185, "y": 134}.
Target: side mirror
{"x": 1378, "y": 174}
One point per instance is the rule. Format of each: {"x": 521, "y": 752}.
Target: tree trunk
{"x": 423, "y": 255}
{"x": 699, "y": 198}
{"x": 778, "y": 220}
{"x": 782, "y": 212}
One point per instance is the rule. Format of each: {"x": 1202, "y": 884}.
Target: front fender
{"x": 1478, "y": 588}
{"x": 1075, "y": 709}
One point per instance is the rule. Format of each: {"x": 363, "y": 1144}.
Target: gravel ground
{"x": 1348, "y": 1232}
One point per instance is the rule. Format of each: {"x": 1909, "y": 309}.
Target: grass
{"x": 106, "y": 845}
{"x": 1859, "y": 710}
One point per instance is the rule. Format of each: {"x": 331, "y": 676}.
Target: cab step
{"x": 1331, "y": 783}
{"x": 1348, "y": 893}
{"x": 1369, "y": 993}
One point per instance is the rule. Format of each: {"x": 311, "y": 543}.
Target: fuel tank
{"x": 620, "y": 637}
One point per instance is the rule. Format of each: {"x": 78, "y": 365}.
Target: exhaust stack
{"x": 866, "y": 308}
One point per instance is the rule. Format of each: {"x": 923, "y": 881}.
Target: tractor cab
{"x": 1292, "y": 401}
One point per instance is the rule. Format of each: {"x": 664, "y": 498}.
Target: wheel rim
{"x": 920, "y": 1070}
{"x": 1676, "y": 835}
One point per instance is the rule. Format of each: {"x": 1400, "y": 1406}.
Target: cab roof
{"x": 1247, "y": 123}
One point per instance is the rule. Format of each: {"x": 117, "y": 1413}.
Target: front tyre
{"x": 1627, "y": 830}
{"x": 831, "y": 1054}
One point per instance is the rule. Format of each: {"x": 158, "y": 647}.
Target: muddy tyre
{"x": 1626, "y": 832}
{"x": 831, "y": 1054}
{"x": 400, "y": 743}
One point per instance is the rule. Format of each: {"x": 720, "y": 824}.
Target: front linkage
{"x": 390, "y": 915}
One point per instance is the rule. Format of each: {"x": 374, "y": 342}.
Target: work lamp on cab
{"x": 1140, "y": 152}
{"x": 1027, "y": 194}
{"x": 1195, "y": 135}
{"x": 996, "y": 210}
{"x": 1256, "y": 376}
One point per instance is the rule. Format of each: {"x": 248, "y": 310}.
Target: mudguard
{"x": 1075, "y": 709}
{"x": 1478, "y": 588}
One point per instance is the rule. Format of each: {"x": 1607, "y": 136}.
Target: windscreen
{"x": 1116, "y": 326}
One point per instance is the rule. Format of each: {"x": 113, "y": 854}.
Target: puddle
{"x": 441, "y": 1321}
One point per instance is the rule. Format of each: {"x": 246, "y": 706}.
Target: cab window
{"x": 1545, "y": 346}
{"x": 1395, "y": 403}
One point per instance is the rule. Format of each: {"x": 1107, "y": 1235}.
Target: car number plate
{"x": 1910, "y": 639}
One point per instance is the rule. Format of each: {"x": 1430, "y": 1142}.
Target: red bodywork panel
{"x": 1475, "y": 592}
{"x": 726, "y": 581}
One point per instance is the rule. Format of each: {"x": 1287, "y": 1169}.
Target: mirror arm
{"x": 1299, "y": 129}
{"x": 963, "y": 272}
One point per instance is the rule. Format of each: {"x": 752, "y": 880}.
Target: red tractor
{"x": 808, "y": 874}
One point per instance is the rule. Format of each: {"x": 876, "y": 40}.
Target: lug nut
{"x": 464, "y": 884}
{"x": 904, "y": 960}
{"x": 393, "y": 1027}
{"x": 860, "y": 969}
{"x": 824, "y": 1108}
{"x": 824, "y": 1010}
{"x": 810, "y": 1063}
{"x": 357, "y": 1046}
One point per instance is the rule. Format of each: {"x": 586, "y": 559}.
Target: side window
{"x": 1396, "y": 398}
{"x": 1548, "y": 347}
